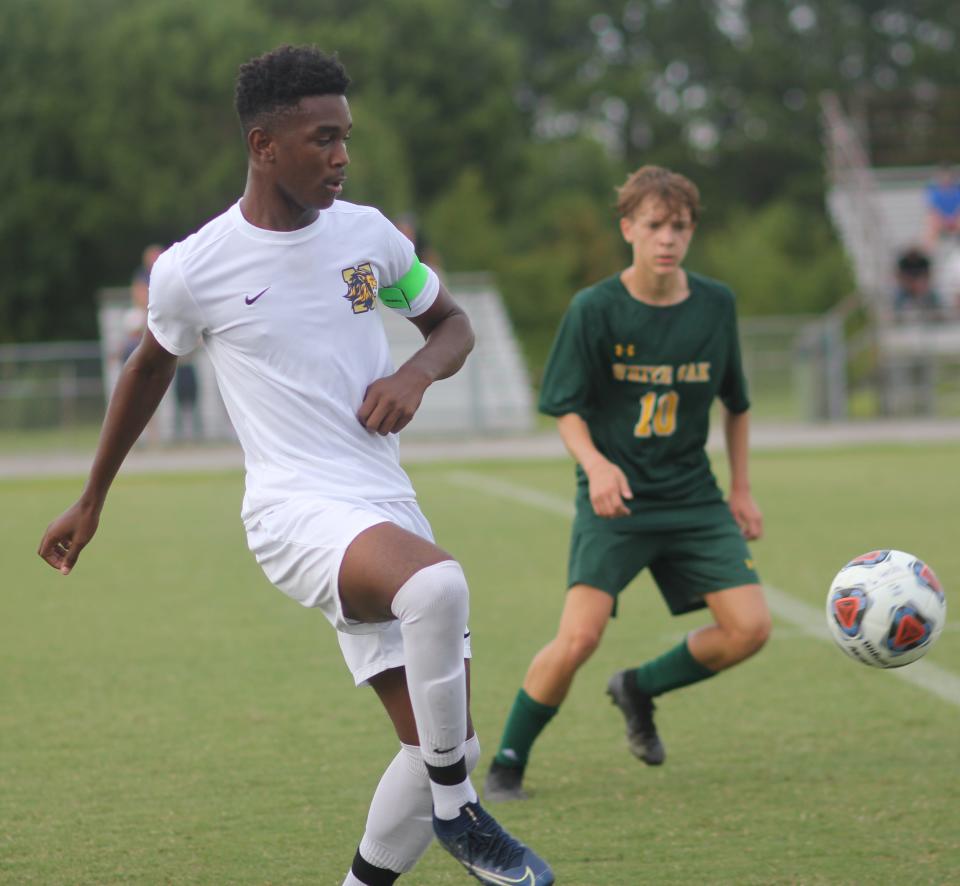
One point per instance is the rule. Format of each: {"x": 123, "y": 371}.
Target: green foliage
{"x": 526, "y": 113}
{"x": 447, "y": 73}
{"x": 125, "y": 136}
{"x": 462, "y": 227}
{"x": 537, "y": 289}
{"x": 562, "y": 235}
{"x": 576, "y": 243}
{"x": 780, "y": 259}
{"x": 380, "y": 173}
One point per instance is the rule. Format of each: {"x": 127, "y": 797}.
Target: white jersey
{"x": 292, "y": 325}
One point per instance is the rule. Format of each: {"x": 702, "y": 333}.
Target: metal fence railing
{"x": 64, "y": 384}
{"x": 799, "y": 367}
{"x": 48, "y": 385}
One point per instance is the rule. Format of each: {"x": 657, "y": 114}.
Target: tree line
{"x": 503, "y": 125}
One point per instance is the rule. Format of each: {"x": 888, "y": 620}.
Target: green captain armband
{"x": 404, "y": 292}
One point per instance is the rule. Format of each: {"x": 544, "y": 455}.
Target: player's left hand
{"x": 747, "y": 514}
{"x": 391, "y": 402}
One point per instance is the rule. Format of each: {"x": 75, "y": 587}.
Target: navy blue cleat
{"x": 488, "y": 852}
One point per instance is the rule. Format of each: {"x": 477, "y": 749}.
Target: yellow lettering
{"x": 653, "y": 375}
{"x": 693, "y": 372}
{"x": 662, "y": 375}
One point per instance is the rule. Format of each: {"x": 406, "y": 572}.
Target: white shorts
{"x": 300, "y": 546}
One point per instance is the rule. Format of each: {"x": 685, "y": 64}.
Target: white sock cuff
{"x": 414, "y": 760}
{"x": 471, "y": 752}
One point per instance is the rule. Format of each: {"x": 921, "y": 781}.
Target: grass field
{"x": 168, "y": 718}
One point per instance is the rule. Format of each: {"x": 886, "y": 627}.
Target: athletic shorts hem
{"x": 362, "y": 676}
{"x": 685, "y": 565}
{"x": 368, "y": 655}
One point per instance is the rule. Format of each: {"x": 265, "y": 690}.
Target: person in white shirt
{"x": 282, "y": 290}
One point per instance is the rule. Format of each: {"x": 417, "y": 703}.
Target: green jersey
{"x": 643, "y": 378}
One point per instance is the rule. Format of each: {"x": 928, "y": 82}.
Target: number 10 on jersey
{"x": 658, "y": 414}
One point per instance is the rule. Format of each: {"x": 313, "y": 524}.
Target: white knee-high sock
{"x": 400, "y": 820}
{"x": 432, "y": 607}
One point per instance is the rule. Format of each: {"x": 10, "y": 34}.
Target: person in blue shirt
{"x": 943, "y": 206}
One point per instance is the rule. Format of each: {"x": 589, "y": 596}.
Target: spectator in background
{"x": 135, "y": 319}
{"x": 187, "y": 423}
{"x": 186, "y": 417}
{"x": 914, "y": 295}
{"x": 911, "y": 377}
{"x": 943, "y": 206}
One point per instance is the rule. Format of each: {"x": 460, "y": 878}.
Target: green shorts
{"x": 686, "y": 563}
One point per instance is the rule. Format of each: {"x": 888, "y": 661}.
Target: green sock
{"x": 673, "y": 669}
{"x": 526, "y": 721}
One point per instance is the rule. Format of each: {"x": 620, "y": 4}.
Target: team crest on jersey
{"x": 361, "y": 287}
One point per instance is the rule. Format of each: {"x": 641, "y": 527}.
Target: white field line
{"x": 807, "y": 619}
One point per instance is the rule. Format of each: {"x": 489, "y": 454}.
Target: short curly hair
{"x": 675, "y": 191}
{"x": 274, "y": 82}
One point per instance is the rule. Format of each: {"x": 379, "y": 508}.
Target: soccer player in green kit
{"x": 634, "y": 369}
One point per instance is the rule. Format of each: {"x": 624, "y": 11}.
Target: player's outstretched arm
{"x": 143, "y": 380}
{"x": 391, "y": 402}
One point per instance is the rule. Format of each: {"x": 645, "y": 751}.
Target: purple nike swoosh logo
{"x": 250, "y": 300}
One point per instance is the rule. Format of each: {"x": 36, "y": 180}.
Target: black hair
{"x": 275, "y": 81}
{"x": 913, "y": 263}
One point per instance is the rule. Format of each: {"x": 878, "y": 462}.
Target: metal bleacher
{"x": 491, "y": 394}
{"x": 878, "y": 213}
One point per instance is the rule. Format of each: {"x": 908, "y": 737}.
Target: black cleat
{"x": 637, "y": 708}
{"x": 488, "y": 852}
{"x": 504, "y": 783}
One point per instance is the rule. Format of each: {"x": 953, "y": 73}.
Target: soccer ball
{"x": 886, "y": 608}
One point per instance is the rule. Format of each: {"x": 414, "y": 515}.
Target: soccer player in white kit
{"x": 282, "y": 289}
